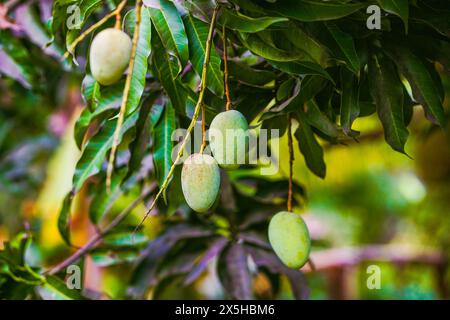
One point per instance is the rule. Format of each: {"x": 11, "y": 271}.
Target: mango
{"x": 228, "y": 136}
{"x": 289, "y": 238}
{"x": 109, "y": 55}
{"x": 200, "y": 181}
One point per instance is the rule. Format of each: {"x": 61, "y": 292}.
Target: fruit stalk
{"x": 291, "y": 163}
{"x": 203, "y": 146}
{"x": 126, "y": 91}
{"x": 198, "y": 106}
{"x": 118, "y": 20}
{"x": 96, "y": 25}
{"x": 225, "y": 68}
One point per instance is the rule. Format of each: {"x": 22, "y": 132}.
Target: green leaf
{"x": 76, "y": 17}
{"x": 105, "y": 257}
{"x": 259, "y": 47}
{"x": 239, "y": 22}
{"x": 438, "y": 19}
{"x": 311, "y": 10}
{"x": 271, "y": 120}
{"x": 200, "y": 8}
{"x": 285, "y": 89}
{"x": 173, "y": 199}
{"x": 16, "y": 61}
{"x": 302, "y": 68}
{"x": 310, "y": 148}
{"x": 103, "y": 200}
{"x": 346, "y": 46}
{"x": 303, "y": 41}
{"x": 166, "y": 69}
{"x": 349, "y": 100}
{"x": 138, "y": 147}
{"x": 397, "y": 7}
{"x": 319, "y": 120}
{"x": 125, "y": 239}
{"x": 243, "y": 73}
{"x": 387, "y": 91}
{"x": 14, "y": 250}
{"x": 162, "y": 154}
{"x": 198, "y": 34}
{"x": 169, "y": 25}
{"x": 139, "y": 72}
{"x": 95, "y": 151}
{"x": 64, "y": 218}
{"x": 103, "y": 103}
{"x": 122, "y": 181}
{"x": 310, "y": 86}
{"x": 59, "y": 13}
{"x": 424, "y": 87}
{"x": 90, "y": 91}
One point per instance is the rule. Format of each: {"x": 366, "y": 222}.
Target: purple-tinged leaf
{"x": 173, "y": 235}
{"x": 256, "y": 218}
{"x": 146, "y": 270}
{"x": 214, "y": 249}
{"x": 9, "y": 68}
{"x": 255, "y": 239}
{"x": 269, "y": 260}
{"x": 45, "y": 7}
{"x": 182, "y": 264}
{"x": 234, "y": 273}
{"x": 30, "y": 23}
{"x": 226, "y": 195}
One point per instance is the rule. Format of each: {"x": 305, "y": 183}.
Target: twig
{"x": 82, "y": 36}
{"x": 98, "y": 236}
{"x": 203, "y": 146}
{"x": 291, "y": 162}
{"x": 126, "y": 90}
{"x": 225, "y": 68}
{"x": 194, "y": 117}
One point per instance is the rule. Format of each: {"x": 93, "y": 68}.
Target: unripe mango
{"x": 200, "y": 181}
{"x": 290, "y": 239}
{"x": 228, "y": 136}
{"x": 109, "y": 55}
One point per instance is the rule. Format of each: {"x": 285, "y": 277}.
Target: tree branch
{"x": 99, "y": 236}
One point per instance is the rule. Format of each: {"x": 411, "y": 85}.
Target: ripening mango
{"x": 200, "y": 181}
{"x": 109, "y": 55}
{"x": 290, "y": 239}
{"x": 228, "y": 136}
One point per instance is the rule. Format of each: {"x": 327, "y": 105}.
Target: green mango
{"x": 228, "y": 138}
{"x": 289, "y": 237}
{"x": 200, "y": 181}
{"x": 109, "y": 55}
